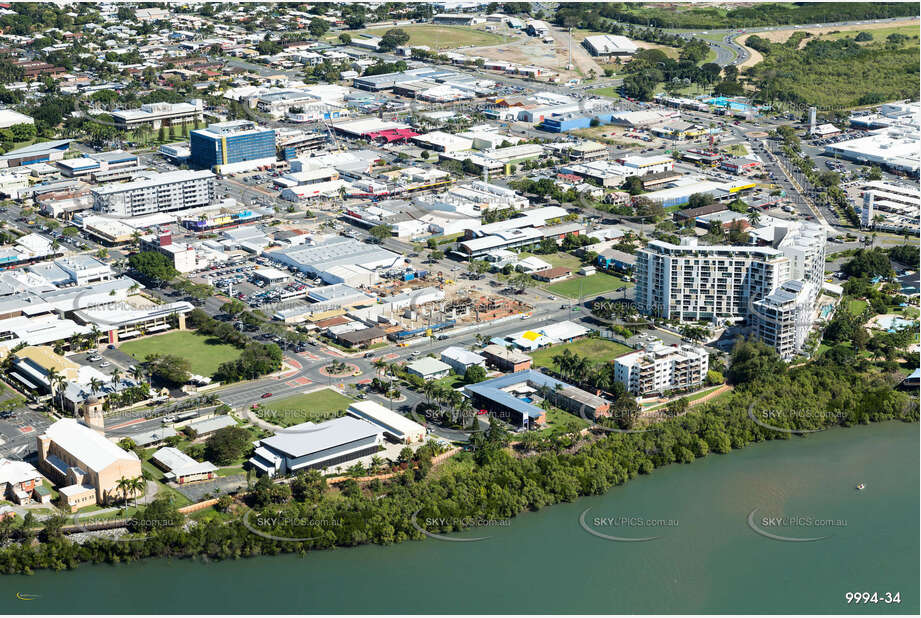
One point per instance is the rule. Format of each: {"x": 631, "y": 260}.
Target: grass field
{"x": 595, "y": 350}
{"x": 592, "y": 285}
{"x": 856, "y": 307}
{"x": 609, "y": 92}
{"x": 204, "y": 354}
{"x": 316, "y": 406}
{"x": 879, "y": 34}
{"x": 440, "y": 37}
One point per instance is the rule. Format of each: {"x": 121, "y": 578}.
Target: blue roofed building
{"x": 513, "y": 397}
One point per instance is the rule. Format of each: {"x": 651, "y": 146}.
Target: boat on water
{"x": 860, "y": 486}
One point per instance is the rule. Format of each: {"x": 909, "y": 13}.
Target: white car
{"x": 106, "y": 364}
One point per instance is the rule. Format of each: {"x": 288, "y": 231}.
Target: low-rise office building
{"x": 156, "y": 115}
{"x": 395, "y": 425}
{"x": 316, "y": 446}
{"x": 181, "y": 468}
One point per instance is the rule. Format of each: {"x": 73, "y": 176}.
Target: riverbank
{"x": 491, "y": 484}
{"x": 711, "y": 561}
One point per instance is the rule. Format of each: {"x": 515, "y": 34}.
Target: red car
{"x": 266, "y": 395}
{"x": 484, "y": 411}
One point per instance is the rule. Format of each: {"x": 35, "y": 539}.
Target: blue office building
{"x": 235, "y": 141}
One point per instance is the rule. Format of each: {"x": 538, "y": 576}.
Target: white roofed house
{"x": 461, "y": 359}
{"x": 18, "y": 480}
{"x": 181, "y": 468}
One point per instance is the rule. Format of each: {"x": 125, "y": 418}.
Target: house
{"x": 181, "y": 468}
{"x": 82, "y": 462}
{"x": 210, "y": 425}
{"x": 362, "y": 338}
{"x": 460, "y": 359}
{"x": 18, "y": 480}
{"x": 617, "y": 260}
{"x": 316, "y": 446}
{"x": 154, "y": 437}
{"x": 552, "y": 275}
{"x": 428, "y": 368}
{"x": 506, "y": 360}
{"x": 395, "y": 425}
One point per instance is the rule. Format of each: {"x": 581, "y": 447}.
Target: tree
{"x": 393, "y": 38}
{"x": 380, "y": 232}
{"x": 345, "y": 38}
{"x": 863, "y": 36}
{"x": 227, "y": 445}
{"x": 174, "y": 370}
{"x": 318, "y": 27}
{"x": 474, "y": 374}
{"x": 677, "y": 407}
{"x": 154, "y": 266}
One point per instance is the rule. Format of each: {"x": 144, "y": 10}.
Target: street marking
{"x": 26, "y": 429}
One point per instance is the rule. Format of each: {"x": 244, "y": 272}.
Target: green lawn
{"x": 856, "y": 307}
{"x": 316, "y": 406}
{"x": 560, "y": 421}
{"x": 879, "y": 34}
{"x": 595, "y": 350}
{"x": 439, "y": 37}
{"x": 592, "y": 285}
{"x": 609, "y": 92}
{"x": 559, "y": 259}
{"x": 204, "y": 354}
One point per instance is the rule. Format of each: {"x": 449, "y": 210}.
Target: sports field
{"x": 204, "y": 353}
{"x": 317, "y": 406}
{"x": 599, "y": 283}
{"x": 440, "y": 37}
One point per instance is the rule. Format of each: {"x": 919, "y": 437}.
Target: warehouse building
{"x": 317, "y": 260}
{"x": 609, "y": 45}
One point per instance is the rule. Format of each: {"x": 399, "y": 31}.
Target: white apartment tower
{"x": 659, "y": 368}
{"x": 166, "y": 192}
{"x": 725, "y": 283}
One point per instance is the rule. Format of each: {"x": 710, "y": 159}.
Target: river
{"x": 707, "y": 558}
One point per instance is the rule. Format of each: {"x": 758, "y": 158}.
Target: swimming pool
{"x": 526, "y": 399}
{"x": 827, "y": 310}
{"x": 733, "y": 105}
{"x": 893, "y": 323}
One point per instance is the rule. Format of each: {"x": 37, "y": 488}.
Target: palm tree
{"x": 124, "y": 485}
{"x": 60, "y": 383}
{"x": 95, "y": 385}
{"x": 754, "y": 217}
{"x": 116, "y": 378}
{"x": 138, "y": 487}
{"x": 53, "y": 376}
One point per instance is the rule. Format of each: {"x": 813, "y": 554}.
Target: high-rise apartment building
{"x": 166, "y": 192}
{"x": 725, "y": 283}
{"x": 659, "y": 368}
